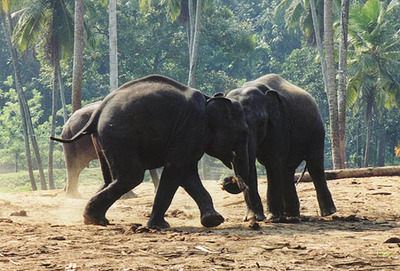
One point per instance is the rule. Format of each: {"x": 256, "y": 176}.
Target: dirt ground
{"x": 363, "y": 235}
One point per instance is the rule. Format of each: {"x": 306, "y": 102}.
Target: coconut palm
{"x": 314, "y": 17}
{"x": 374, "y": 50}
{"x": 77, "y": 69}
{"x": 51, "y": 22}
{"x": 28, "y": 130}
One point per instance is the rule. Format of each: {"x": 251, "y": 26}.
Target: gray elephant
{"x": 285, "y": 128}
{"x": 79, "y": 153}
{"x": 155, "y": 121}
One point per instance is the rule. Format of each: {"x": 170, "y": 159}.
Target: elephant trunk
{"x": 240, "y": 164}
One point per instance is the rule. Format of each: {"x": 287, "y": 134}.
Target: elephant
{"x": 79, "y": 153}
{"x": 156, "y": 121}
{"x": 285, "y": 128}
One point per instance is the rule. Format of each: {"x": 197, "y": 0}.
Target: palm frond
{"x": 393, "y": 4}
{"x": 173, "y": 8}
{"x": 352, "y": 92}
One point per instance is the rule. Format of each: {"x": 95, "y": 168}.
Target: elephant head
{"x": 227, "y": 135}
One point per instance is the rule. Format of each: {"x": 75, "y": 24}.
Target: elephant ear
{"x": 274, "y": 106}
{"x": 219, "y": 111}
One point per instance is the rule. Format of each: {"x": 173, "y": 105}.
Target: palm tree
{"x": 331, "y": 83}
{"x": 112, "y": 13}
{"x": 78, "y": 56}
{"x": 303, "y": 15}
{"x": 374, "y": 50}
{"x": 308, "y": 16}
{"x": 50, "y": 21}
{"x": 342, "y": 80}
{"x": 28, "y": 130}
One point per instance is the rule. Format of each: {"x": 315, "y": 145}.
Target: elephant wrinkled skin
{"x": 285, "y": 128}
{"x": 155, "y": 121}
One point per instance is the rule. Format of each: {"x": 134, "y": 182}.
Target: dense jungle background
{"x": 239, "y": 41}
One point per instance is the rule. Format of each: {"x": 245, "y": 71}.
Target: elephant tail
{"x": 302, "y": 175}
{"x": 88, "y": 129}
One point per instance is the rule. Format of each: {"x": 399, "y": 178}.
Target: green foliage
{"x": 375, "y": 56}
{"x": 240, "y": 41}
{"x": 19, "y": 181}
{"x": 11, "y": 140}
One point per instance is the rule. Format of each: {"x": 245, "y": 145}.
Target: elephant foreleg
{"x": 291, "y": 200}
{"x": 193, "y": 186}
{"x": 275, "y": 193}
{"x": 252, "y": 197}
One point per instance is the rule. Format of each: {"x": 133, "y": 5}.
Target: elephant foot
{"x": 271, "y": 218}
{"x": 129, "y": 195}
{"x": 328, "y": 211}
{"x": 212, "y": 220}
{"x": 91, "y": 220}
{"x": 295, "y": 213}
{"x": 74, "y": 195}
{"x": 158, "y": 224}
{"x": 253, "y": 216}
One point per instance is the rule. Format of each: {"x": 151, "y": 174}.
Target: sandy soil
{"x": 363, "y": 235}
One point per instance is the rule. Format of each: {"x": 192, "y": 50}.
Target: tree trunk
{"x": 382, "y": 146}
{"x": 193, "y": 52}
{"x": 368, "y": 116}
{"x": 7, "y": 31}
{"x": 78, "y": 56}
{"x": 331, "y": 83}
{"x": 56, "y": 66}
{"x": 17, "y": 166}
{"x": 113, "y": 44}
{"x": 62, "y": 96}
{"x": 359, "y": 154}
{"x": 319, "y": 42}
{"x": 354, "y": 173}
{"x": 344, "y": 24}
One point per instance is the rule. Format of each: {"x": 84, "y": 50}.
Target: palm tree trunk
{"x": 113, "y": 44}
{"x": 78, "y": 56}
{"x": 7, "y": 31}
{"x": 319, "y": 42}
{"x": 62, "y": 96}
{"x": 368, "y": 116}
{"x": 331, "y": 83}
{"x": 195, "y": 43}
{"x": 56, "y": 66}
{"x": 358, "y": 143}
{"x": 344, "y": 24}
{"x": 31, "y": 130}
{"x": 382, "y": 141}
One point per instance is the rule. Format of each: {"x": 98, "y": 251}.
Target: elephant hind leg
{"x": 169, "y": 183}
{"x": 71, "y": 188}
{"x": 127, "y": 173}
{"x": 315, "y": 165}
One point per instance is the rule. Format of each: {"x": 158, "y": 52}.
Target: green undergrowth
{"x": 19, "y": 181}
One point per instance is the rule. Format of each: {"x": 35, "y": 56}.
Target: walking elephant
{"x": 79, "y": 153}
{"x": 285, "y": 128}
{"x": 155, "y": 121}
